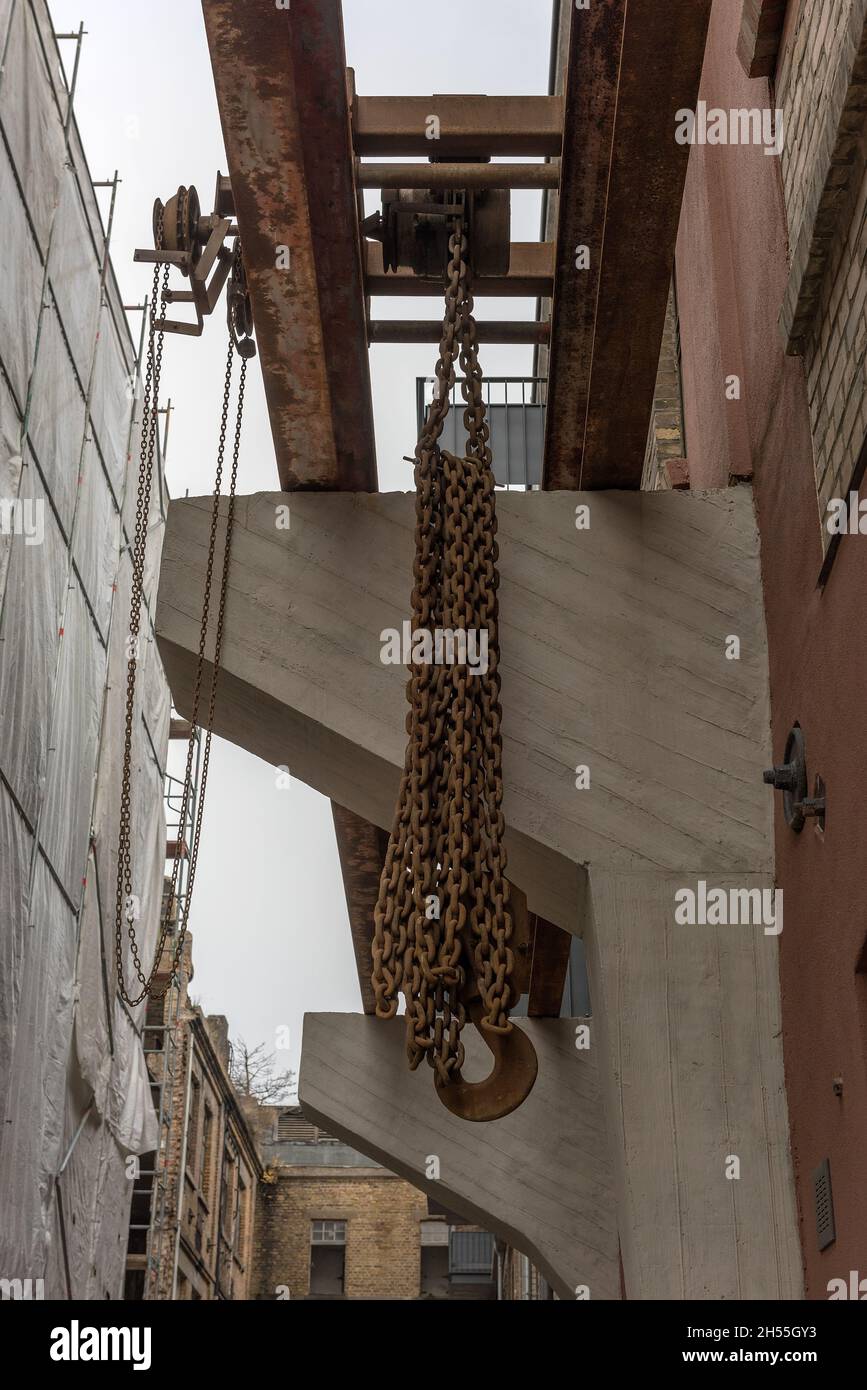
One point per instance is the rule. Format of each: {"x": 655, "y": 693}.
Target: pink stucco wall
{"x": 732, "y": 267}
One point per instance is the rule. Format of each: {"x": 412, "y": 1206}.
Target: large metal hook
{"x": 515, "y": 1063}
{"x": 511, "y": 1081}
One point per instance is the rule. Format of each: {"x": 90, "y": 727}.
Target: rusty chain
{"x": 124, "y": 897}
{"x": 442, "y": 924}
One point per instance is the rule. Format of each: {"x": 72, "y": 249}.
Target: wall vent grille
{"x": 824, "y": 1203}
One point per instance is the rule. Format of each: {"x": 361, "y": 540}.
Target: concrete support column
{"x": 686, "y": 1025}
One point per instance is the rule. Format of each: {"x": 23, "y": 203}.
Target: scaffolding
{"x": 155, "y": 1215}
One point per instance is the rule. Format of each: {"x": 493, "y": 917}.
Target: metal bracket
{"x": 790, "y": 777}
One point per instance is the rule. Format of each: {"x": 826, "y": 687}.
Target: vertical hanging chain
{"x": 443, "y": 896}
{"x": 125, "y": 900}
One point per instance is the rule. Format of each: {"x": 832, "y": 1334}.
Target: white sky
{"x": 271, "y": 936}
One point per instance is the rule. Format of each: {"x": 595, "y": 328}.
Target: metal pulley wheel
{"x": 240, "y": 310}
{"x": 178, "y": 226}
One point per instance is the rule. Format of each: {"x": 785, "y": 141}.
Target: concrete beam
{"x": 613, "y": 657}
{"x": 614, "y": 642}
{"x": 540, "y": 1178}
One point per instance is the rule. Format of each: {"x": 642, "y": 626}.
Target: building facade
{"x": 771, "y": 270}
{"x": 194, "y": 1197}
{"x": 333, "y": 1224}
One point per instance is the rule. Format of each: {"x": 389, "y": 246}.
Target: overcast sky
{"x": 271, "y": 936}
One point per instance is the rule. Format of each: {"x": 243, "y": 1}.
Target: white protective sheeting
{"x": 22, "y": 285}
{"x": 31, "y": 1144}
{"x": 10, "y": 469}
{"x": 74, "y": 1089}
{"x": 31, "y": 121}
{"x": 14, "y": 918}
{"x": 30, "y": 629}
{"x": 96, "y": 539}
{"x": 111, "y": 394}
{"x": 55, "y": 427}
{"x": 70, "y": 268}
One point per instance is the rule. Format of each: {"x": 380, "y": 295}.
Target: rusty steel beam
{"x": 372, "y": 175}
{"x": 629, "y": 71}
{"x": 362, "y": 849}
{"x": 280, "y": 77}
{"x": 467, "y": 126}
{"x": 551, "y": 949}
{"x": 531, "y": 274}
{"x": 431, "y": 331}
{"x": 762, "y": 24}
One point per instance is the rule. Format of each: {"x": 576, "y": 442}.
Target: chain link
{"x": 124, "y": 899}
{"x": 442, "y": 925}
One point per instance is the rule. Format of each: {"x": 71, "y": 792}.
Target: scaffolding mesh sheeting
{"x": 74, "y": 1088}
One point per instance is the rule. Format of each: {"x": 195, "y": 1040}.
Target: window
{"x": 206, "y": 1165}
{"x": 434, "y": 1266}
{"x": 228, "y": 1194}
{"x": 243, "y": 1220}
{"x": 471, "y": 1256}
{"x": 327, "y": 1258}
{"x": 193, "y": 1132}
{"x": 292, "y": 1127}
{"x": 328, "y": 1233}
{"x": 435, "y": 1232}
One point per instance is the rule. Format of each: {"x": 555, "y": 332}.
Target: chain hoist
{"x": 240, "y": 343}
{"x": 443, "y": 924}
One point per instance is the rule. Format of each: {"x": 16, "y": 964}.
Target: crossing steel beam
{"x": 630, "y": 68}
{"x": 280, "y": 76}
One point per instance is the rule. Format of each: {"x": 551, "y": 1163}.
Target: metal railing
{"x": 516, "y": 408}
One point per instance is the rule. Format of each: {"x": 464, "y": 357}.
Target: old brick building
{"x": 193, "y": 1198}
{"x": 518, "y": 1279}
{"x": 331, "y": 1223}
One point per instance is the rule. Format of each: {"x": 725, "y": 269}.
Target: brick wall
{"x": 821, "y": 87}
{"x": 209, "y": 1157}
{"x": 382, "y": 1215}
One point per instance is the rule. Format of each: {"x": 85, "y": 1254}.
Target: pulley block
{"x": 206, "y": 251}
{"x": 240, "y": 310}
{"x": 178, "y": 226}
{"x": 415, "y": 224}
